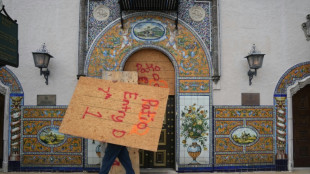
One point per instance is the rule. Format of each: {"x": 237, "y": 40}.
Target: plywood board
{"x": 127, "y": 77}
{"x": 154, "y": 69}
{"x": 116, "y": 112}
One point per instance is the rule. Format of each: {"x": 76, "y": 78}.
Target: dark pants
{"x": 112, "y": 151}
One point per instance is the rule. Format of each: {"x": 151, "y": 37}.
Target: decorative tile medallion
{"x": 244, "y": 136}
{"x": 41, "y": 143}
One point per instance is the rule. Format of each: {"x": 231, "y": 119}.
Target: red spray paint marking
{"x": 159, "y": 83}
{"x": 155, "y": 81}
{"x": 145, "y": 117}
{"x": 118, "y": 133}
{"x": 147, "y": 69}
{"x": 122, "y": 113}
{"x": 118, "y": 118}
{"x": 95, "y": 115}
{"x": 107, "y": 92}
{"x": 116, "y": 163}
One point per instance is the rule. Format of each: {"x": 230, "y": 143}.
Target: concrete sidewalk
{"x": 170, "y": 171}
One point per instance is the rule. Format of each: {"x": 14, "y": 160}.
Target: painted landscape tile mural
{"x": 41, "y": 143}
{"x": 244, "y": 136}
{"x": 195, "y": 132}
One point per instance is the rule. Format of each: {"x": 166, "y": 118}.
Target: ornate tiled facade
{"x": 203, "y": 28}
{"x": 112, "y": 46}
{"x": 293, "y": 74}
{"x": 8, "y": 78}
{"x": 41, "y": 143}
{"x": 244, "y": 136}
{"x": 188, "y": 52}
{"x": 231, "y": 136}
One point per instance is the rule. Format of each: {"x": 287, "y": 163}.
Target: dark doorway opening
{"x": 301, "y": 124}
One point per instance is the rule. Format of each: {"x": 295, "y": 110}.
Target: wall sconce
{"x": 255, "y": 60}
{"x": 41, "y": 59}
{"x": 306, "y": 27}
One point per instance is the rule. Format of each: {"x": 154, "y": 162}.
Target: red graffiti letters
{"x": 147, "y": 69}
{"x": 125, "y": 108}
{"x": 118, "y": 133}
{"x": 146, "y": 115}
{"x": 95, "y": 115}
{"x": 118, "y": 118}
{"x": 107, "y": 92}
{"x": 150, "y": 70}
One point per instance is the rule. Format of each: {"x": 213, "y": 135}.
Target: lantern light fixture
{"x": 255, "y": 60}
{"x": 41, "y": 60}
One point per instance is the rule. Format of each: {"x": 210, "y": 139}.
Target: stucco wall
{"x": 55, "y": 23}
{"x": 275, "y": 27}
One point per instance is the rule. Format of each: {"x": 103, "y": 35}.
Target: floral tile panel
{"x": 195, "y": 131}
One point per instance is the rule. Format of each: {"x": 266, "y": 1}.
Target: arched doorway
{"x": 154, "y": 68}
{"x": 301, "y": 123}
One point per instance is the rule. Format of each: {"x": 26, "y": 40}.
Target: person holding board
{"x": 112, "y": 151}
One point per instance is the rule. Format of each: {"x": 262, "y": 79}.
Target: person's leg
{"x": 124, "y": 158}
{"x": 111, "y": 152}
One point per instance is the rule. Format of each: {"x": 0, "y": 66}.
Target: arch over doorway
{"x": 11, "y": 88}
{"x": 187, "y": 52}
{"x": 294, "y": 79}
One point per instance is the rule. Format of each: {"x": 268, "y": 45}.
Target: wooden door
{"x": 155, "y": 69}
{"x": 301, "y": 127}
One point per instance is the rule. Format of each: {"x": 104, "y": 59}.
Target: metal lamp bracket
{"x": 306, "y": 26}
{"x": 45, "y": 73}
{"x": 251, "y": 75}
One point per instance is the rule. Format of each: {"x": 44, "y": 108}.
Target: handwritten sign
{"x": 116, "y": 112}
{"x": 154, "y": 69}
{"x": 128, "y": 77}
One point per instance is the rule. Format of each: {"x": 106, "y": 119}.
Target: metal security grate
{"x": 149, "y": 5}
{"x": 152, "y": 5}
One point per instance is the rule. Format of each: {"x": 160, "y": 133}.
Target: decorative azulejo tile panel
{"x": 16, "y": 102}
{"x": 92, "y": 157}
{"x": 244, "y": 136}
{"x": 293, "y": 74}
{"x": 41, "y": 143}
{"x": 289, "y": 78}
{"x": 203, "y": 27}
{"x": 111, "y": 46}
{"x": 195, "y": 132}
{"x": 189, "y": 86}
{"x": 8, "y": 78}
